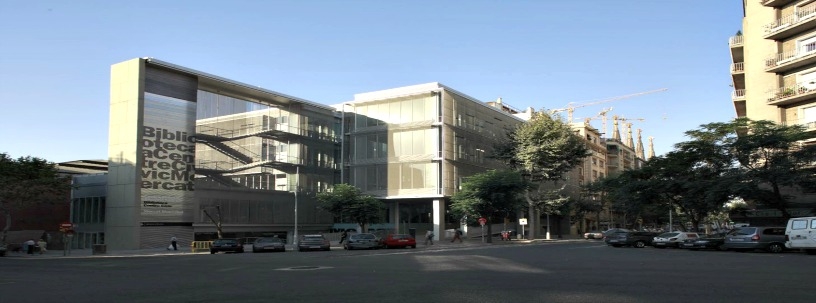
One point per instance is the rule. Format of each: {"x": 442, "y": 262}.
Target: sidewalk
{"x": 186, "y": 250}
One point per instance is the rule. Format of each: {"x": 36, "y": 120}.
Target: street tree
{"x": 543, "y": 149}
{"x": 773, "y": 162}
{"x": 488, "y": 194}
{"x": 29, "y": 181}
{"x": 348, "y": 202}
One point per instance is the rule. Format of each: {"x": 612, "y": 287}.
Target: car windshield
{"x": 668, "y": 235}
{"x": 364, "y": 236}
{"x": 268, "y": 240}
{"x": 224, "y": 241}
{"x": 313, "y": 237}
{"x": 400, "y": 236}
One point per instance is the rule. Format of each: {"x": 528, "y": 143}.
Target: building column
{"x": 438, "y": 218}
{"x": 394, "y": 217}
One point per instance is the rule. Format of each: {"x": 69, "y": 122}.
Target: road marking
{"x": 305, "y": 268}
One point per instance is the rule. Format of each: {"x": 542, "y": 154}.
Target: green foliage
{"x": 489, "y": 193}
{"x": 28, "y": 181}
{"x": 543, "y": 148}
{"x": 348, "y": 202}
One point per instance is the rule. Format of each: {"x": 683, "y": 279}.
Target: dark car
{"x": 398, "y": 240}
{"x": 226, "y": 245}
{"x": 313, "y": 242}
{"x": 713, "y": 241}
{"x": 637, "y": 239}
{"x": 747, "y": 238}
{"x": 362, "y": 241}
{"x": 268, "y": 244}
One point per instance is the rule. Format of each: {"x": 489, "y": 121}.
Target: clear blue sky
{"x": 55, "y": 57}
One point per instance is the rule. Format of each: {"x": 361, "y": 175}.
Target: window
{"x": 799, "y": 224}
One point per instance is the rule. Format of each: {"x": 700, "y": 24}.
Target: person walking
{"x": 173, "y": 243}
{"x": 30, "y": 244}
{"x": 343, "y": 237}
{"x": 429, "y": 235}
{"x": 457, "y": 235}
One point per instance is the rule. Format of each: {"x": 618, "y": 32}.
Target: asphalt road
{"x": 583, "y": 271}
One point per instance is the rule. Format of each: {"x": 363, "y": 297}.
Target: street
{"x": 568, "y": 271}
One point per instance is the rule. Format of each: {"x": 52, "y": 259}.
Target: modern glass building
{"x": 184, "y": 144}
{"x": 413, "y": 146}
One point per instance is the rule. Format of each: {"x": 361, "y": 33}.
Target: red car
{"x": 398, "y": 240}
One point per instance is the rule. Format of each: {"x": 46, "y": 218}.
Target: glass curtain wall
{"x": 394, "y": 144}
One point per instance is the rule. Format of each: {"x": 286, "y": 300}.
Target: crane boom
{"x": 571, "y": 108}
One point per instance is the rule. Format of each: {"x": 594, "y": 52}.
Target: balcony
{"x": 791, "y": 94}
{"x": 735, "y": 41}
{"x": 793, "y": 24}
{"x": 737, "y": 68}
{"x": 737, "y": 52}
{"x": 738, "y": 95}
{"x": 787, "y": 61}
{"x": 776, "y": 3}
{"x": 809, "y": 125}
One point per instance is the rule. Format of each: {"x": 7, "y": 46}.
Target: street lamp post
{"x": 548, "y": 225}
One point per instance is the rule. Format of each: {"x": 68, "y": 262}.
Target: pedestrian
{"x": 30, "y": 246}
{"x": 343, "y": 236}
{"x": 173, "y": 243}
{"x": 429, "y": 235}
{"x": 41, "y": 243}
{"x": 457, "y": 235}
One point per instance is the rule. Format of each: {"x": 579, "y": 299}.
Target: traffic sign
{"x": 523, "y": 221}
{"x": 482, "y": 221}
{"x": 66, "y": 225}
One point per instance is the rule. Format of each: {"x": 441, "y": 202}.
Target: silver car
{"x": 268, "y": 244}
{"x": 362, "y": 241}
{"x": 771, "y": 239}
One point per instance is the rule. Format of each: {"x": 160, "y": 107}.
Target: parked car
{"x": 268, "y": 244}
{"x": 612, "y": 231}
{"x": 398, "y": 240}
{"x": 637, "y": 239}
{"x": 362, "y": 241}
{"x": 2, "y": 250}
{"x": 593, "y": 235}
{"x": 771, "y": 239}
{"x": 226, "y": 245}
{"x": 713, "y": 241}
{"x": 672, "y": 239}
{"x": 313, "y": 242}
{"x": 801, "y": 234}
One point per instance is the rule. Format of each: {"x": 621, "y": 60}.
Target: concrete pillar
{"x": 438, "y": 218}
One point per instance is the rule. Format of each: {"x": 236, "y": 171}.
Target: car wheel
{"x": 212, "y": 252}
{"x": 414, "y": 246}
{"x": 254, "y": 250}
{"x": 661, "y": 247}
{"x": 721, "y": 247}
{"x": 776, "y": 248}
{"x": 640, "y": 244}
{"x": 810, "y": 251}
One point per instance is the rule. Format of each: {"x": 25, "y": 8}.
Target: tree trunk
{"x": 489, "y": 231}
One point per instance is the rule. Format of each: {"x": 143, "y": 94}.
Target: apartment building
{"x": 773, "y": 66}
{"x": 773, "y": 71}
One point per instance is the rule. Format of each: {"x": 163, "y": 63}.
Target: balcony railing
{"x": 738, "y": 94}
{"x": 735, "y": 41}
{"x": 808, "y": 124}
{"x": 738, "y": 67}
{"x": 804, "y": 13}
{"x": 790, "y": 56}
{"x": 789, "y": 92}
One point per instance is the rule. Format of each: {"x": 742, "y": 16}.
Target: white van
{"x": 801, "y": 234}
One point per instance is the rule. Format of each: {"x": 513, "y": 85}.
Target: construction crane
{"x": 571, "y": 108}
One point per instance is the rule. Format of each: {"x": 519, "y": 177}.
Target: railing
{"x": 200, "y": 245}
{"x": 809, "y": 125}
{"x": 804, "y": 13}
{"x": 738, "y": 94}
{"x": 787, "y": 92}
{"x": 735, "y": 41}
{"x": 738, "y": 67}
{"x": 791, "y": 55}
